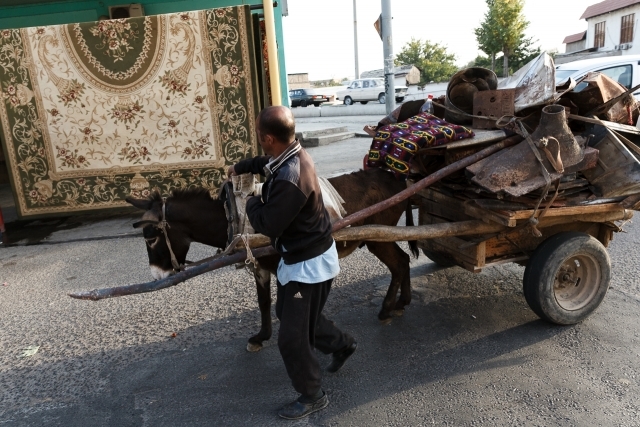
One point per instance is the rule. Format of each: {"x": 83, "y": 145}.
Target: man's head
{"x": 276, "y": 129}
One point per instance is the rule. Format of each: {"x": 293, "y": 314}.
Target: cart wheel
{"x": 440, "y": 259}
{"x": 567, "y": 277}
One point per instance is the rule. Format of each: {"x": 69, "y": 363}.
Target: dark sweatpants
{"x": 303, "y": 327}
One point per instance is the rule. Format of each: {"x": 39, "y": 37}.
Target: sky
{"x": 318, "y": 35}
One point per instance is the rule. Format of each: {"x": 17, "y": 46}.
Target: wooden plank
{"x": 473, "y": 255}
{"x": 444, "y": 210}
{"x": 470, "y": 208}
{"x": 522, "y": 241}
{"x": 437, "y": 196}
{"x": 570, "y": 210}
{"x": 619, "y": 215}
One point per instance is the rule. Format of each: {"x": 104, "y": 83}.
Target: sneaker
{"x": 341, "y": 356}
{"x": 297, "y": 409}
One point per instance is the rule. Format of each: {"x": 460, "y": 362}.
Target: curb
{"x": 340, "y": 111}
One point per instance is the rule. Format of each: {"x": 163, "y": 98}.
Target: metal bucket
{"x": 460, "y": 90}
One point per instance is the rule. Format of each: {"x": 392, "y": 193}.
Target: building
{"x": 405, "y": 75}
{"x": 575, "y": 42}
{"x": 298, "y": 81}
{"x": 611, "y": 31}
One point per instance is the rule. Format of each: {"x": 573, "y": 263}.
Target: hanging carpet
{"x": 94, "y": 112}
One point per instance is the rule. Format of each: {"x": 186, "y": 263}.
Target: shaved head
{"x": 278, "y": 122}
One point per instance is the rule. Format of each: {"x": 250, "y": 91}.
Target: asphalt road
{"x": 468, "y": 351}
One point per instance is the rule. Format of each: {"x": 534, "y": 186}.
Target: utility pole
{"x": 355, "y": 38}
{"x": 387, "y": 49}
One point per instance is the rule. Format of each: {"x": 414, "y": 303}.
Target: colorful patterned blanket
{"x": 395, "y": 145}
{"x": 94, "y": 112}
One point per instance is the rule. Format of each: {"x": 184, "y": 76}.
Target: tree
{"x": 487, "y": 36}
{"x": 502, "y": 29}
{"x": 522, "y": 54}
{"x": 432, "y": 59}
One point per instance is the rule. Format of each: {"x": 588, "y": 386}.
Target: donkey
{"x": 193, "y": 216}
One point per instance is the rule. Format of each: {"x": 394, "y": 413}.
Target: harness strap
{"x": 164, "y": 226}
{"x": 533, "y": 221}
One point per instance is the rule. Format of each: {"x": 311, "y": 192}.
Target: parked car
{"x": 624, "y": 69}
{"x": 304, "y": 97}
{"x": 365, "y": 90}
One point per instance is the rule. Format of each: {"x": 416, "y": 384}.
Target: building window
{"x": 598, "y": 39}
{"x": 626, "y": 28}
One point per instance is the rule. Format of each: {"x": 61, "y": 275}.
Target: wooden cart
{"x": 567, "y": 267}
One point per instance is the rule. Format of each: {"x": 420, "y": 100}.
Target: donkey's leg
{"x": 263, "y": 287}
{"x": 397, "y": 261}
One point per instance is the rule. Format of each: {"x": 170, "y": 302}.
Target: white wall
{"x": 612, "y": 29}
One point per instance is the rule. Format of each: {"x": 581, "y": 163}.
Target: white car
{"x": 624, "y": 69}
{"x": 365, "y": 90}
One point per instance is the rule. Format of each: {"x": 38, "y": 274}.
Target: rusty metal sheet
{"x": 618, "y": 171}
{"x": 535, "y": 83}
{"x": 595, "y": 90}
{"x": 527, "y": 176}
{"x": 492, "y": 103}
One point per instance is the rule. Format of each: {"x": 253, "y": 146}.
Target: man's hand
{"x": 231, "y": 172}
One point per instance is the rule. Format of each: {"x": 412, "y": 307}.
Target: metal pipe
{"x": 355, "y": 39}
{"x": 387, "y": 50}
{"x": 272, "y": 52}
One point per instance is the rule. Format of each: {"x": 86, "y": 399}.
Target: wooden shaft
{"x": 118, "y": 291}
{"x": 386, "y": 233}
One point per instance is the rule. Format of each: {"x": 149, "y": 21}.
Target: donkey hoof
{"x": 397, "y": 313}
{"x": 253, "y": 347}
{"x": 386, "y": 321}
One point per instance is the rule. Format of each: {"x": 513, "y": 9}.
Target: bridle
{"x": 163, "y": 226}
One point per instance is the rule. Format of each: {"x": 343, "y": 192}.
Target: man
{"x": 291, "y": 212}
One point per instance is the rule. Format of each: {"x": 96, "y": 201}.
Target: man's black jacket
{"x": 291, "y": 211}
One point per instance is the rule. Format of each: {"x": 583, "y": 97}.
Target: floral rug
{"x": 94, "y": 112}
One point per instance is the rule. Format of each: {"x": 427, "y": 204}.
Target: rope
{"x": 164, "y": 226}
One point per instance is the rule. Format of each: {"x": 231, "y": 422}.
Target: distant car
{"x": 304, "y": 97}
{"x": 365, "y": 90}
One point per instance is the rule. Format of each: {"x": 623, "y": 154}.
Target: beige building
{"x": 298, "y": 81}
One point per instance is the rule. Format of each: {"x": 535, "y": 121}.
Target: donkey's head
{"x": 188, "y": 216}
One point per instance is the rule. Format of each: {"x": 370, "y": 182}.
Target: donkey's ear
{"x": 144, "y": 204}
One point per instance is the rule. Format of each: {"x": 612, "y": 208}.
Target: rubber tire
{"x": 382, "y": 98}
{"x": 540, "y": 273}
{"x": 364, "y": 102}
{"x": 440, "y": 259}
{"x": 317, "y": 104}
{"x": 400, "y": 99}
{"x": 348, "y": 100}
{"x": 303, "y": 103}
